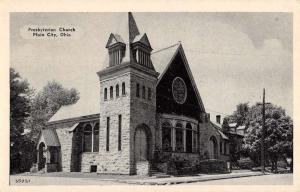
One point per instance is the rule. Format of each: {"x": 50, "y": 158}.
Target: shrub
{"x": 245, "y": 163}
{"x": 212, "y": 166}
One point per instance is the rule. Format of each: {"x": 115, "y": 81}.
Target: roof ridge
{"x": 165, "y": 48}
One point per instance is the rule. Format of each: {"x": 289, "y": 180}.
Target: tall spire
{"x": 127, "y": 44}
{"x": 133, "y": 31}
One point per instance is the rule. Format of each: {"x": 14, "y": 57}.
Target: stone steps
{"x": 158, "y": 174}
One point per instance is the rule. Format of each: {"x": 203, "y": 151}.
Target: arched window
{"x": 166, "y": 136}
{"x": 105, "y": 94}
{"x": 111, "y": 92}
{"x": 144, "y": 92}
{"x": 123, "y": 89}
{"x": 179, "y": 137}
{"x": 87, "y": 138}
{"x": 189, "y": 138}
{"x": 137, "y": 90}
{"x": 117, "y": 90}
{"x": 213, "y": 148}
{"x": 96, "y": 138}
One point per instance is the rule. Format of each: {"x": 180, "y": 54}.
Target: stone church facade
{"x": 149, "y": 102}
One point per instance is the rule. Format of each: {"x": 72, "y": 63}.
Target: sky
{"x": 232, "y": 56}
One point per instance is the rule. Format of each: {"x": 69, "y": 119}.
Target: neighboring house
{"x": 235, "y": 134}
{"x": 224, "y": 145}
{"x": 148, "y": 101}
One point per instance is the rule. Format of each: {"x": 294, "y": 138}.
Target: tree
{"x": 278, "y": 137}
{"x": 20, "y": 95}
{"x": 46, "y": 103}
{"x": 239, "y": 116}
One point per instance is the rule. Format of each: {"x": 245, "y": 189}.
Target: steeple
{"x": 127, "y": 45}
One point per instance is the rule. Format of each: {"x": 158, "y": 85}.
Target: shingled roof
{"x": 83, "y": 107}
{"x": 50, "y": 137}
{"x": 163, "y": 57}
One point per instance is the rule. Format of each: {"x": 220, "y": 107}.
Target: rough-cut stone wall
{"x": 142, "y": 168}
{"x": 206, "y": 131}
{"x": 142, "y": 113}
{"x": 65, "y": 139}
{"x": 89, "y": 159}
{"x": 114, "y": 161}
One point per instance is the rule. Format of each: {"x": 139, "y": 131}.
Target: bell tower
{"x": 127, "y": 102}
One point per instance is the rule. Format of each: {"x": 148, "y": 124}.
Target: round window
{"x": 179, "y": 90}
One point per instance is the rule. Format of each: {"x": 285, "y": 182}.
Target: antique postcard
{"x": 200, "y": 98}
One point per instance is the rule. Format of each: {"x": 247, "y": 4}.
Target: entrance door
{"x": 42, "y": 158}
{"x": 141, "y": 149}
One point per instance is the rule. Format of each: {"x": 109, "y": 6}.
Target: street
{"x": 278, "y": 179}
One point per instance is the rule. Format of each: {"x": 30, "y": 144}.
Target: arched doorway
{"x": 42, "y": 158}
{"x": 213, "y": 148}
{"x": 142, "y": 139}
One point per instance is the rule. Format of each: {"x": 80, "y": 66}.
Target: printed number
{"x": 22, "y": 180}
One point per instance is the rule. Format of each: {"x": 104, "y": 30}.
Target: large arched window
{"x": 189, "y": 138}
{"x": 123, "y": 89}
{"x": 166, "y": 136}
{"x": 117, "y": 90}
{"x": 105, "y": 94}
{"x": 96, "y": 138}
{"x": 87, "y": 138}
{"x": 179, "y": 137}
{"x": 91, "y": 138}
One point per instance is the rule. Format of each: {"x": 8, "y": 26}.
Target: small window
{"x": 107, "y": 133}
{"x": 120, "y": 133}
{"x": 105, "y": 94}
{"x": 123, "y": 89}
{"x": 111, "y": 92}
{"x": 144, "y": 92}
{"x": 93, "y": 168}
{"x": 149, "y": 94}
{"x": 137, "y": 90}
{"x": 117, "y": 90}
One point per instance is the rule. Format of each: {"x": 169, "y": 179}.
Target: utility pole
{"x": 263, "y": 135}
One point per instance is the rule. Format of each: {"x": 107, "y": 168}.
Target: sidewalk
{"x": 60, "y": 178}
{"x": 188, "y": 179}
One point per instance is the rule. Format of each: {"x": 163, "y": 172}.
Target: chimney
{"x": 218, "y": 119}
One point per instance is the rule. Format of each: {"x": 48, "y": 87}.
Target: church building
{"x": 148, "y": 104}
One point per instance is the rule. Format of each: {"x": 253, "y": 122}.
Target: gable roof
{"x": 83, "y": 107}
{"x": 218, "y": 129}
{"x": 50, "y": 137}
{"x": 142, "y": 39}
{"x": 113, "y": 39}
{"x": 163, "y": 59}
